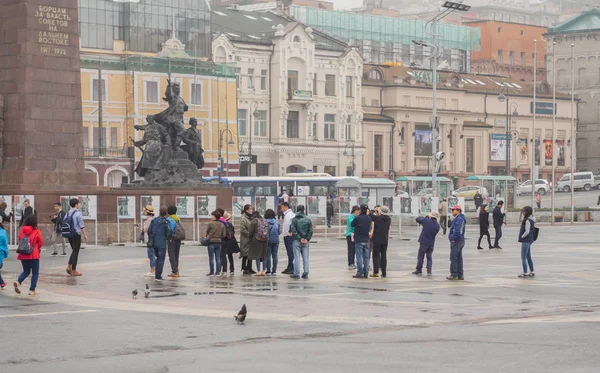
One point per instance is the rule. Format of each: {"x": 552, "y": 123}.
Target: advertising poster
{"x": 9, "y": 204}
{"x": 367, "y": 201}
{"x": 153, "y": 201}
{"x": 18, "y": 204}
{"x": 435, "y": 203}
{"x": 88, "y": 205}
{"x": 208, "y": 204}
{"x": 264, "y": 203}
{"x": 297, "y": 201}
{"x": 523, "y": 150}
{"x": 423, "y": 141}
{"x": 344, "y": 205}
{"x": 405, "y": 205}
{"x": 237, "y": 205}
{"x": 453, "y": 200}
{"x": 498, "y": 147}
{"x": 397, "y": 203}
{"x": 548, "y": 152}
{"x": 317, "y": 206}
{"x": 425, "y": 205}
{"x": 389, "y": 203}
{"x": 126, "y": 207}
{"x": 415, "y": 204}
{"x": 185, "y": 207}
{"x": 537, "y": 152}
{"x": 560, "y": 150}
{"x": 353, "y": 202}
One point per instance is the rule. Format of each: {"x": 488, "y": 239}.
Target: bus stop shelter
{"x": 375, "y": 189}
{"x": 415, "y": 184}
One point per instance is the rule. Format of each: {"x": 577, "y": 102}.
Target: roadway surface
{"x": 562, "y": 199}
{"x": 493, "y": 321}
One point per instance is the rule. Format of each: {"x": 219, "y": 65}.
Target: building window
{"x": 315, "y": 85}
{"x": 376, "y": 75}
{"x": 242, "y": 118}
{"x": 329, "y": 170}
{"x": 451, "y": 139}
{"x": 349, "y": 128}
{"x": 378, "y": 152}
{"x": 262, "y": 169}
{"x": 196, "y": 94}
{"x": 329, "y": 127}
{"x": 86, "y": 137}
{"x": 251, "y": 79}
{"x": 152, "y": 92}
{"x": 260, "y": 123}
{"x": 95, "y": 90}
{"x": 512, "y": 57}
{"x": 500, "y": 57}
{"x": 292, "y": 82}
{"x": 349, "y": 87}
{"x": 293, "y": 122}
{"x": 533, "y": 61}
{"x": 499, "y": 29}
{"x": 329, "y": 85}
{"x": 114, "y": 143}
{"x": 238, "y": 72}
{"x": 315, "y": 169}
{"x": 470, "y": 155}
{"x": 315, "y": 130}
{"x": 263, "y": 80}
{"x": 522, "y": 33}
{"x": 523, "y": 58}
{"x": 349, "y": 171}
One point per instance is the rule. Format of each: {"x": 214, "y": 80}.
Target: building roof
{"x": 586, "y": 21}
{"x": 259, "y": 28}
{"x": 377, "y": 118}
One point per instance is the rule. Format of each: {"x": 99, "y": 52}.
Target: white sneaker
{"x": 149, "y": 274}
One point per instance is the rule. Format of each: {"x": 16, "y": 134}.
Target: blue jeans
{"x": 362, "y": 258}
{"x": 498, "y": 235}
{"x": 30, "y": 266}
{"x": 329, "y": 222}
{"x": 261, "y": 264}
{"x": 300, "y": 250}
{"x": 289, "y": 248}
{"x": 423, "y": 252}
{"x": 456, "y": 258}
{"x": 272, "y": 253}
{"x": 152, "y": 257}
{"x": 214, "y": 254}
{"x": 526, "y": 256}
{"x": 161, "y": 255}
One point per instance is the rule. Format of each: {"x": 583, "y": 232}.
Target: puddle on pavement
{"x": 362, "y": 288}
{"x": 456, "y": 295}
{"x": 265, "y": 286}
{"x": 424, "y": 292}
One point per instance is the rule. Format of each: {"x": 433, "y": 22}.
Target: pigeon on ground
{"x": 241, "y": 316}
{"x": 147, "y": 292}
{"x": 134, "y": 293}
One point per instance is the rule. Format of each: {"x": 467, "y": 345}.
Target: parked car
{"x": 468, "y": 192}
{"x": 581, "y": 180}
{"x": 425, "y": 192}
{"x": 597, "y": 181}
{"x": 542, "y": 186}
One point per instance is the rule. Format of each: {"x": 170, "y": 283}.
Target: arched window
{"x": 375, "y": 75}
{"x": 296, "y": 39}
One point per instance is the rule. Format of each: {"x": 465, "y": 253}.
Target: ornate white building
{"x": 298, "y": 94}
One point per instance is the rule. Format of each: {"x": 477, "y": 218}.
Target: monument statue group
{"x": 165, "y": 161}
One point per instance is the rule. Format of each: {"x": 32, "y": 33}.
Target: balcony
{"x": 299, "y": 96}
{"x": 105, "y": 152}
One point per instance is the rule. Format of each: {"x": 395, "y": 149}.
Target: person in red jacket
{"x": 31, "y": 262}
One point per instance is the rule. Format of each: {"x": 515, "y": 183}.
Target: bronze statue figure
{"x": 193, "y": 144}
{"x": 172, "y": 117}
{"x": 157, "y": 147}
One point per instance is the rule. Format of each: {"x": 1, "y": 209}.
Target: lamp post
{"x": 352, "y": 154}
{"x": 229, "y": 135}
{"x": 449, "y": 7}
{"x": 509, "y": 108}
{"x": 254, "y": 113}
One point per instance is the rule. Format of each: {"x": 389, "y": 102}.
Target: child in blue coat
{"x": 3, "y": 251}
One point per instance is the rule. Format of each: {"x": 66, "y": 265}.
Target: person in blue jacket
{"x": 160, "y": 233}
{"x": 457, "y": 242}
{"x": 526, "y": 238}
{"x": 3, "y": 251}
{"x": 427, "y": 241}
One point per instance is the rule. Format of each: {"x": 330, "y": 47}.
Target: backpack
{"x": 67, "y": 228}
{"x": 262, "y": 231}
{"x": 179, "y": 233}
{"x": 229, "y": 231}
{"x": 274, "y": 232}
{"x": 168, "y": 230}
{"x": 25, "y": 246}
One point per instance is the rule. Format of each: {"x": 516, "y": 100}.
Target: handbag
{"x": 205, "y": 241}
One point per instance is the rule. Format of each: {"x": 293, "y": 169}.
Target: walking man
{"x": 159, "y": 234}
{"x": 362, "y": 228}
{"x": 498, "y": 216}
{"x": 330, "y": 213}
{"x": 443, "y": 210}
{"x": 350, "y": 237}
{"x": 57, "y": 237}
{"x": 75, "y": 219}
{"x": 288, "y": 216}
{"x": 302, "y": 231}
{"x": 175, "y": 243}
{"x": 427, "y": 241}
{"x": 457, "y": 242}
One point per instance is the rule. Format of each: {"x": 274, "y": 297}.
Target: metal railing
{"x": 105, "y": 152}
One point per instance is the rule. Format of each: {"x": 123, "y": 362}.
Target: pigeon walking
{"x": 241, "y": 316}
{"x": 147, "y": 292}
{"x": 134, "y": 293}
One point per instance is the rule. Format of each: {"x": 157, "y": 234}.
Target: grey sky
{"x": 347, "y": 4}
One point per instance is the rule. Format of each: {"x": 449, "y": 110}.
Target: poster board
{"x": 206, "y": 205}
{"x": 297, "y": 201}
{"x": 9, "y": 203}
{"x": 453, "y": 200}
{"x": 237, "y": 205}
{"x": 185, "y": 207}
{"x": 405, "y": 205}
{"x": 88, "y": 205}
{"x": 126, "y": 207}
{"x": 153, "y": 201}
{"x": 263, "y": 203}
{"x": 18, "y": 204}
{"x": 317, "y": 206}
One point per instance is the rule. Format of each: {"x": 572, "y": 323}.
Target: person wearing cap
{"x": 484, "y": 226}
{"x": 350, "y": 237}
{"x": 149, "y": 211}
{"x": 362, "y": 227}
{"x": 498, "y": 216}
{"x": 380, "y": 235}
{"x": 427, "y": 241}
{"x": 457, "y": 242}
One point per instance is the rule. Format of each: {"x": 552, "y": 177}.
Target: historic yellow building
{"x": 132, "y": 87}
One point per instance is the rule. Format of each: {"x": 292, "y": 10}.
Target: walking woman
{"x": 484, "y": 226}
{"x": 229, "y": 246}
{"x": 526, "y": 238}
{"x": 31, "y": 262}
{"x": 245, "y": 239}
{"x": 149, "y": 210}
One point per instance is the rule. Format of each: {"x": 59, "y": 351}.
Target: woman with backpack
{"x": 273, "y": 246}
{"x": 229, "y": 244}
{"x": 30, "y": 240}
{"x": 526, "y": 238}
{"x": 259, "y": 233}
{"x": 245, "y": 239}
{"x": 215, "y": 233}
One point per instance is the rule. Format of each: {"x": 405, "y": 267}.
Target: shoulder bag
{"x": 205, "y": 241}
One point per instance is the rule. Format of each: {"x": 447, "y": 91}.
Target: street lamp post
{"x": 229, "y": 135}
{"x": 450, "y": 6}
{"x": 509, "y": 108}
{"x": 352, "y": 154}
{"x": 254, "y": 113}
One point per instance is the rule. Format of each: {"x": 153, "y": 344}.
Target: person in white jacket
{"x": 288, "y": 216}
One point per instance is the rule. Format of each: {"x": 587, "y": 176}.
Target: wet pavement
{"x": 328, "y": 323}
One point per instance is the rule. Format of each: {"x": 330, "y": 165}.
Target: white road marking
{"x": 45, "y": 314}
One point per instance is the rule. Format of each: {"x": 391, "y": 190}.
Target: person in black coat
{"x": 498, "y": 223}
{"x": 484, "y": 227}
{"x": 330, "y": 213}
{"x": 379, "y": 237}
{"x": 229, "y": 244}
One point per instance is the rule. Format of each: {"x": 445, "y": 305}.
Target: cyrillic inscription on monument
{"x": 55, "y": 23}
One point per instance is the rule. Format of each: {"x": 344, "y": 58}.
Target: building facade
{"x": 508, "y": 49}
{"x": 397, "y": 103}
{"x": 583, "y": 32}
{"x": 298, "y": 94}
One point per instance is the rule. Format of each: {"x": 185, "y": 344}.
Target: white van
{"x": 581, "y": 180}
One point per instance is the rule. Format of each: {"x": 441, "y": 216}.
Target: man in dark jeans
{"x": 379, "y": 237}
{"x": 362, "y": 230}
{"x": 288, "y": 216}
{"x": 75, "y": 217}
{"x": 498, "y": 222}
{"x": 174, "y": 246}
